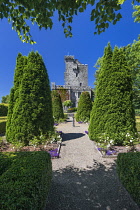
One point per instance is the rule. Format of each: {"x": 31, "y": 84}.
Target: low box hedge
{"x": 128, "y": 169}
{"x": 25, "y": 180}
{"x": 3, "y": 127}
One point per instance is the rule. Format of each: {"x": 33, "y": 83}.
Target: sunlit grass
{"x": 3, "y": 119}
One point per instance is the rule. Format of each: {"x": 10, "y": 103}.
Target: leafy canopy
{"x": 41, "y": 12}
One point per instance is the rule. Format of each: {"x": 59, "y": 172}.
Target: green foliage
{"x": 2, "y": 127}
{"x": 57, "y": 106}
{"x": 5, "y": 99}
{"x": 136, "y": 13}
{"x": 3, "y": 110}
{"x": 30, "y": 106}
{"x": 113, "y": 117}
{"x": 137, "y": 112}
{"x": 25, "y": 180}
{"x": 84, "y": 107}
{"x": 133, "y": 59}
{"x": 128, "y": 169}
{"x": 67, "y": 103}
{"x": 19, "y": 13}
{"x": 97, "y": 121}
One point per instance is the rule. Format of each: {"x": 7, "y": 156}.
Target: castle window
{"x": 80, "y": 84}
{"x": 79, "y": 93}
{"x": 76, "y": 74}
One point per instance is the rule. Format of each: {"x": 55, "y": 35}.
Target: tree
{"x": 21, "y": 61}
{"x": 84, "y": 107}
{"x": 41, "y": 12}
{"x": 57, "y": 106}
{"x": 133, "y": 59}
{"x": 97, "y": 118}
{"x": 30, "y": 114}
{"x": 5, "y": 99}
{"x": 117, "y": 118}
{"x": 67, "y": 103}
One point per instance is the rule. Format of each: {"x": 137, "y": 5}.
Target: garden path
{"x": 82, "y": 179}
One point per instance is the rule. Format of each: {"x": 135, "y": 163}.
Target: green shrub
{"x": 128, "y": 169}
{"x": 84, "y": 107}
{"x": 3, "y": 110}
{"x": 2, "y": 127}
{"x": 57, "y": 106}
{"x": 67, "y": 103}
{"x": 26, "y": 183}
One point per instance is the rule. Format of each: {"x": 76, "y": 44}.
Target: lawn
{"x": 3, "y": 119}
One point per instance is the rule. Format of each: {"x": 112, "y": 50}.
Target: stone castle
{"x": 76, "y": 79}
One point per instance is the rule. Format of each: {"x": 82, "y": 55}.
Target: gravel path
{"x": 82, "y": 179}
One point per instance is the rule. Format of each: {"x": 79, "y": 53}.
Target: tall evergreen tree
{"x": 32, "y": 111}
{"x": 84, "y": 107}
{"x": 101, "y": 102}
{"x": 119, "y": 118}
{"x": 57, "y": 106}
{"x": 120, "y": 121}
{"x": 21, "y": 61}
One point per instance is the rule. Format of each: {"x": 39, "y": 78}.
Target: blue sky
{"x": 53, "y": 46}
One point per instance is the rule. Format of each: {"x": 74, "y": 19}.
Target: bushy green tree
{"x": 97, "y": 118}
{"x": 5, "y": 99}
{"x": 133, "y": 59}
{"x": 57, "y": 106}
{"x": 30, "y": 114}
{"x": 84, "y": 107}
{"x": 67, "y": 103}
{"x": 113, "y": 119}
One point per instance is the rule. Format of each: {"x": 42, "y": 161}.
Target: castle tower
{"x": 76, "y": 74}
{"x": 76, "y": 79}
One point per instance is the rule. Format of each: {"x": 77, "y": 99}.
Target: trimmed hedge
{"x": 3, "y": 110}
{"x": 2, "y": 127}
{"x": 25, "y": 180}
{"x": 128, "y": 169}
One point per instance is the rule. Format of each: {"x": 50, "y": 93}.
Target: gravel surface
{"x": 82, "y": 179}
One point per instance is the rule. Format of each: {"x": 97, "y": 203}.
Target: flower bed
{"x": 113, "y": 151}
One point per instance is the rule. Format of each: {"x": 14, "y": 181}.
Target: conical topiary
{"x": 84, "y": 107}
{"x": 32, "y": 110}
{"x": 113, "y": 119}
{"x": 57, "y": 106}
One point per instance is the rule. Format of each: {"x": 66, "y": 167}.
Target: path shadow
{"x": 94, "y": 188}
{"x": 71, "y": 136}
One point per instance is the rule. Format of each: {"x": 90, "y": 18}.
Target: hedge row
{"x": 25, "y": 180}
{"x": 128, "y": 168}
{"x": 3, "y": 110}
{"x": 2, "y": 127}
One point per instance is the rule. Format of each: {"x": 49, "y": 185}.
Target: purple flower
{"x": 60, "y": 132}
{"x": 86, "y": 132}
{"x": 55, "y": 124}
{"x": 80, "y": 122}
{"x": 110, "y": 152}
{"x": 54, "y": 153}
